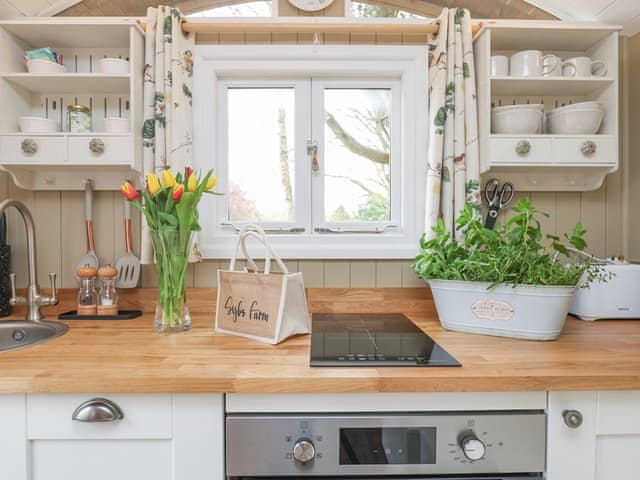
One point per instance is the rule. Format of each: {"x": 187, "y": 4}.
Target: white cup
{"x": 499, "y": 66}
{"x": 583, "y": 67}
{"x": 531, "y": 63}
{"x": 559, "y": 66}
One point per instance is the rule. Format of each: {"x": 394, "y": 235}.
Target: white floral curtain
{"x": 168, "y": 79}
{"x": 453, "y": 163}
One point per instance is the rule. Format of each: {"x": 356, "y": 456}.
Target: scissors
{"x": 497, "y": 197}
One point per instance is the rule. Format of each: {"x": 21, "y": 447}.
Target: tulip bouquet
{"x": 169, "y": 204}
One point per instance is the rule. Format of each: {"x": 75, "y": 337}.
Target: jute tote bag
{"x": 264, "y": 306}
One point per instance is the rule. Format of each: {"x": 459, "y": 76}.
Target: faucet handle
{"x": 15, "y": 300}
{"x": 53, "y": 298}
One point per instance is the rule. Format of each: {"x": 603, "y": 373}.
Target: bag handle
{"x": 251, "y": 230}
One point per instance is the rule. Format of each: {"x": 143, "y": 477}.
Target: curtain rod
{"x": 320, "y": 26}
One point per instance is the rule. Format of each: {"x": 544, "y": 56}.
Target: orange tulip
{"x": 187, "y": 171}
{"x": 129, "y": 191}
{"x": 178, "y": 190}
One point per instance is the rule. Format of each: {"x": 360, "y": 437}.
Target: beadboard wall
{"x": 61, "y": 237}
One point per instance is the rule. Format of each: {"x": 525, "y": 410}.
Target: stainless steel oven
{"x": 477, "y": 445}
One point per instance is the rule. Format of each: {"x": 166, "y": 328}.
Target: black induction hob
{"x": 373, "y": 340}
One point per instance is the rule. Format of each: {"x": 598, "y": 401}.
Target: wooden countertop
{"x": 127, "y": 356}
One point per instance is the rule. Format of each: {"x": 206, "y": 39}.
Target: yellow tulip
{"x": 167, "y": 179}
{"x": 212, "y": 182}
{"x": 192, "y": 182}
{"x": 153, "y": 184}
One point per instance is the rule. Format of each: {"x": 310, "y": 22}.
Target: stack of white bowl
{"x": 520, "y": 119}
{"x": 577, "y": 119}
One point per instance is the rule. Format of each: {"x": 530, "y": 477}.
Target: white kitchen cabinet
{"x": 543, "y": 161}
{"x": 606, "y": 446}
{"x": 63, "y": 160}
{"x": 161, "y": 436}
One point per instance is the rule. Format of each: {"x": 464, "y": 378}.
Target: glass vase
{"x": 172, "y": 249}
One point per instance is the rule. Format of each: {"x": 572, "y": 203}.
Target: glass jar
{"x": 78, "y": 119}
{"x": 87, "y": 299}
{"x": 108, "y": 296}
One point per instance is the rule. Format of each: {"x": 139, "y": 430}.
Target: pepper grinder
{"x": 87, "y": 297}
{"x": 108, "y": 296}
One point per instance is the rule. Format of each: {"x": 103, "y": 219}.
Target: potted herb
{"x": 504, "y": 282}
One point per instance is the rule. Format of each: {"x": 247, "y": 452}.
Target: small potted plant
{"x": 504, "y": 282}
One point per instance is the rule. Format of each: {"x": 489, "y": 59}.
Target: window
{"x": 259, "y": 8}
{"x": 370, "y": 10}
{"x": 319, "y": 145}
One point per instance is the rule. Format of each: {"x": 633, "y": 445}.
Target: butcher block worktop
{"x": 127, "y": 356}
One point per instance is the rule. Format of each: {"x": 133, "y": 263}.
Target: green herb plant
{"x": 513, "y": 253}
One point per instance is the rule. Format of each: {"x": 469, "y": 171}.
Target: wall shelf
{"x": 548, "y": 85}
{"x": 71, "y": 82}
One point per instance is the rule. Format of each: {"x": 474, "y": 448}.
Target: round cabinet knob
{"x": 29, "y": 146}
{"x": 96, "y": 145}
{"x": 523, "y": 147}
{"x": 572, "y": 418}
{"x": 589, "y": 147}
{"x": 304, "y": 450}
{"x": 472, "y": 447}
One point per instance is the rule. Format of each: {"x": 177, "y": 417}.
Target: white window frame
{"x": 406, "y": 65}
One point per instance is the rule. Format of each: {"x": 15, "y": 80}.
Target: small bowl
{"x": 37, "y": 125}
{"x": 40, "y": 65}
{"x": 517, "y": 119}
{"x": 575, "y": 122}
{"x": 113, "y": 66}
{"x": 116, "y": 125}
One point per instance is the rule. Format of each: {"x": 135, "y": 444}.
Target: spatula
{"x": 90, "y": 257}
{"x": 128, "y": 265}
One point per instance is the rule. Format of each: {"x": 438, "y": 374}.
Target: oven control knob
{"x": 472, "y": 447}
{"x": 303, "y": 450}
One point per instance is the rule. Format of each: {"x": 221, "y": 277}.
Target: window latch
{"x": 312, "y": 151}
{"x": 238, "y": 228}
{"x": 363, "y": 230}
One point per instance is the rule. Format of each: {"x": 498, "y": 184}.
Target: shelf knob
{"x": 96, "y": 145}
{"x": 589, "y": 148}
{"x": 572, "y": 418}
{"x": 29, "y": 146}
{"x": 523, "y": 147}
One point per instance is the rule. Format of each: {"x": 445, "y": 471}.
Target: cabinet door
{"x": 605, "y": 446}
{"x": 160, "y": 437}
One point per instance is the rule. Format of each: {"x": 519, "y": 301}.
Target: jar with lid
{"x": 87, "y": 300}
{"x": 108, "y": 296}
{"x": 78, "y": 119}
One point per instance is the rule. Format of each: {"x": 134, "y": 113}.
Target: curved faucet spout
{"x": 34, "y": 300}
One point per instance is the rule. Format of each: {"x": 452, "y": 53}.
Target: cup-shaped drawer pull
{"x": 523, "y": 147}
{"x": 588, "y": 148}
{"x": 29, "y": 146}
{"x": 96, "y": 145}
{"x": 98, "y": 410}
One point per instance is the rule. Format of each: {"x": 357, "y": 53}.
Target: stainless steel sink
{"x": 23, "y": 333}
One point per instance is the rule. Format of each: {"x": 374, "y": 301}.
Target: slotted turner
{"x": 128, "y": 265}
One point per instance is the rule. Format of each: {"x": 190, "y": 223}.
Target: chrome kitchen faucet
{"x": 34, "y": 299}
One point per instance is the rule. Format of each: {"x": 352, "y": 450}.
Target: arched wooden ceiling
{"x": 479, "y": 8}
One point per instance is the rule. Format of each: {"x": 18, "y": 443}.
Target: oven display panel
{"x": 387, "y": 446}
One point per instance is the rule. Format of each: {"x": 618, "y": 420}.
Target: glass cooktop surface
{"x": 375, "y": 340}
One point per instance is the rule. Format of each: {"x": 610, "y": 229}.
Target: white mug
{"x": 531, "y": 63}
{"x": 583, "y": 67}
{"x": 499, "y": 66}
{"x": 559, "y": 66}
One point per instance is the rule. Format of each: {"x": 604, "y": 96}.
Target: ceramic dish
{"x": 37, "y": 125}
{"x": 113, "y": 66}
{"x": 575, "y": 121}
{"x": 519, "y": 119}
{"x": 40, "y": 65}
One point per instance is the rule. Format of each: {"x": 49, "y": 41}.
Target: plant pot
{"x": 172, "y": 249}
{"x": 530, "y": 312}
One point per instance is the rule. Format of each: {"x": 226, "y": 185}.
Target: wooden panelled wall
{"x": 61, "y": 240}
